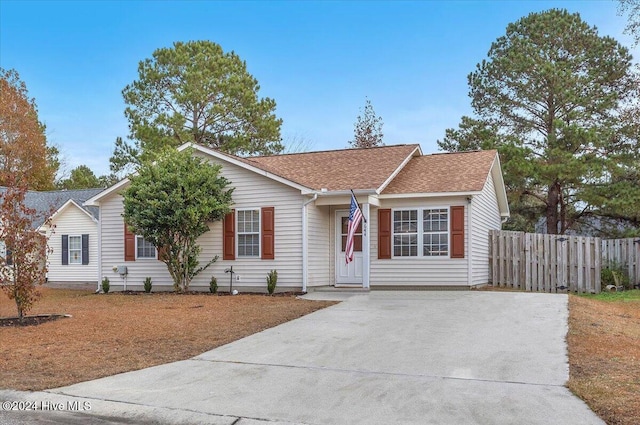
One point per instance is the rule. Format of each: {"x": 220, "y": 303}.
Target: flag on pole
{"x": 355, "y": 216}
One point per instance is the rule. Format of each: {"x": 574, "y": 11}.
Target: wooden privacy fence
{"x": 624, "y": 252}
{"x": 551, "y": 263}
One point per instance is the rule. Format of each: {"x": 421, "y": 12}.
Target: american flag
{"x": 355, "y": 216}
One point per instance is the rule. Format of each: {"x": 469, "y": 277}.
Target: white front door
{"x": 348, "y": 274}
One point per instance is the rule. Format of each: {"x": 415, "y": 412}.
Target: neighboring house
{"x": 73, "y": 246}
{"x": 428, "y": 218}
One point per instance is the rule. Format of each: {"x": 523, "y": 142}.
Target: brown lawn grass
{"x": 604, "y": 354}
{"x": 116, "y": 333}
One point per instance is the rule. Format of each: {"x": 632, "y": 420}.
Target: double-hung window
{"x": 75, "y": 249}
{"x": 405, "y": 233}
{"x": 248, "y": 233}
{"x": 421, "y": 232}
{"x": 144, "y": 248}
{"x": 435, "y": 232}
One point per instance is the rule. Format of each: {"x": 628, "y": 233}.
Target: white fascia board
{"x": 95, "y": 201}
{"x": 500, "y": 188}
{"x": 427, "y": 195}
{"x": 74, "y": 203}
{"x": 397, "y": 170}
{"x": 343, "y": 197}
{"x": 303, "y": 189}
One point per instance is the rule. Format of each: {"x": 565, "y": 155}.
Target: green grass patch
{"x": 624, "y": 296}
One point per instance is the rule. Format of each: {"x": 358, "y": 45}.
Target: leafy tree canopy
{"x": 23, "y": 145}
{"x": 558, "y": 102}
{"x": 171, "y": 204}
{"x": 195, "y": 92}
{"x": 24, "y": 247}
{"x": 367, "y": 132}
{"x": 81, "y": 178}
{"x": 632, "y": 8}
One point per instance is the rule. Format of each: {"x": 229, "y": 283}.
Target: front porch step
{"x": 343, "y": 289}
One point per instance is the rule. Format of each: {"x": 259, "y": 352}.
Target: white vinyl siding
{"x": 73, "y": 221}
{"x": 485, "y": 216}
{"x": 319, "y": 232}
{"x": 251, "y": 190}
{"x": 421, "y": 270}
{"x": 75, "y": 249}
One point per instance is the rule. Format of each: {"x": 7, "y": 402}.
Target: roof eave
{"x": 219, "y": 155}
{"x": 500, "y": 188}
{"x": 65, "y": 206}
{"x": 428, "y": 194}
{"x": 95, "y": 200}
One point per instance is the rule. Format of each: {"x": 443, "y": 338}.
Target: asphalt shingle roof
{"x": 444, "y": 172}
{"x": 51, "y": 201}
{"x": 336, "y": 170}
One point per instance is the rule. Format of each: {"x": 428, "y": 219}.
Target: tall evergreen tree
{"x": 195, "y": 92}
{"x": 556, "y": 98}
{"x": 367, "y": 132}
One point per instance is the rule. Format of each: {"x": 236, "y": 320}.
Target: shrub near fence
{"x": 625, "y": 252}
{"x": 552, "y": 263}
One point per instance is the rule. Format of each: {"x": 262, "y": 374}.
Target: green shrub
{"x": 147, "y": 285}
{"x": 105, "y": 285}
{"x": 213, "y": 285}
{"x": 615, "y": 274}
{"x": 272, "y": 280}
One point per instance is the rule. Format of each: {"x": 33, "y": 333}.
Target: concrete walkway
{"x": 378, "y": 358}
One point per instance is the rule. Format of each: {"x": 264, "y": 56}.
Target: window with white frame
{"x": 405, "y": 233}
{"x": 435, "y": 232}
{"x": 248, "y": 233}
{"x": 424, "y": 237}
{"x": 144, "y": 248}
{"x": 75, "y": 249}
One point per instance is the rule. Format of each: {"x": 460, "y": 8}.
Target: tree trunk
{"x": 553, "y": 199}
{"x": 20, "y": 312}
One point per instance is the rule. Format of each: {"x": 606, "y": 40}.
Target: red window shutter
{"x": 384, "y": 234}
{"x": 129, "y": 245}
{"x": 457, "y": 232}
{"x": 229, "y": 234}
{"x": 268, "y": 241}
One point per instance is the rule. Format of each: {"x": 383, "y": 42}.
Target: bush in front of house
{"x": 147, "y": 285}
{"x": 105, "y": 285}
{"x": 272, "y": 280}
{"x": 213, "y": 285}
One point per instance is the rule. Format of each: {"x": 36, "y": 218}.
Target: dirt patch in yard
{"x": 115, "y": 333}
{"x": 604, "y": 354}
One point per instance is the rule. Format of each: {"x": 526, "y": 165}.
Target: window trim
{"x": 155, "y": 250}
{"x": 69, "y": 250}
{"x": 3, "y": 252}
{"x": 420, "y": 233}
{"x": 257, "y": 210}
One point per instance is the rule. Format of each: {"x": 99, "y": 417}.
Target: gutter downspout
{"x": 305, "y": 243}
{"x": 469, "y": 242}
{"x": 99, "y": 250}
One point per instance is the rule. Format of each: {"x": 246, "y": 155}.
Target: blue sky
{"x": 318, "y": 60}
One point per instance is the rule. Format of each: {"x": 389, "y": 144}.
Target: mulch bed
{"x": 30, "y": 320}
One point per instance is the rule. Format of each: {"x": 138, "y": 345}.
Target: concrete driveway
{"x": 379, "y": 358}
